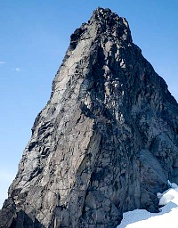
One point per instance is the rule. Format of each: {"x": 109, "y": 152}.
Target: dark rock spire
{"x": 107, "y": 140}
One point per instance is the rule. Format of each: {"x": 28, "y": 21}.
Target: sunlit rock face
{"x": 107, "y": 140}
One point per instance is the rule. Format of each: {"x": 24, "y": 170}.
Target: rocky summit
{"x": 105, "y": 143}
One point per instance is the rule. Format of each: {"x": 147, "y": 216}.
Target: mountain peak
{"x": 105, "y": 143}
{"x": 104, "y": 23}
{"x": 101, "y": 13}
{"x": 111, "y": 24}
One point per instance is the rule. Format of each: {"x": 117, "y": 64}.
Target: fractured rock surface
{"x": 107, "y": 140}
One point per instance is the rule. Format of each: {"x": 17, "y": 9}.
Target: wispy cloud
{"x": 18, "y": 69}
{"x": 2, "y": 63}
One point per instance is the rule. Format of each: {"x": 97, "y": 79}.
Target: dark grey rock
{"x": 107, "y": 140}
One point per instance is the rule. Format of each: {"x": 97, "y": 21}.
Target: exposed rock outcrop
{"x": 107, "y": 140}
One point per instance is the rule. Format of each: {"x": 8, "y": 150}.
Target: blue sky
{"x": 34, "y": 36}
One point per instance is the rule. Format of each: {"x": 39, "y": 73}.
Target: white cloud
{"x": 17, "y": 69}
{"x": 2, "y": 63}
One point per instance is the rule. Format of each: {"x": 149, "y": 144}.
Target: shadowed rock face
{"x": 105, "y": 143}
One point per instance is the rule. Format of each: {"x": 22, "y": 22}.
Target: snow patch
{"x": 167, "y": 217}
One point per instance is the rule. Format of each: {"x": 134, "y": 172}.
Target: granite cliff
{"x": 105, "y": 143}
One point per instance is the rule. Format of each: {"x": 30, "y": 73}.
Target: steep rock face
{"x": 106, "y": 141}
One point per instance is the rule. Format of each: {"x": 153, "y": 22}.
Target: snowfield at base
{"x": 167, "y": 217}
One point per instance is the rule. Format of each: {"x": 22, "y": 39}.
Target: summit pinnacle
{"x": 105, "y": 143}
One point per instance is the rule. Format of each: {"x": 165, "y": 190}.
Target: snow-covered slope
{"x": 167, "y": 217}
